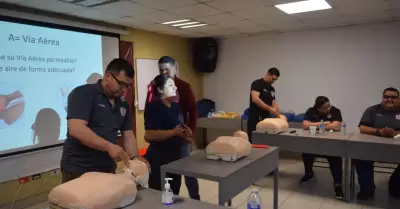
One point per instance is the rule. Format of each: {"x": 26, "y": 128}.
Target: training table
{"x": 218, "y": 126}
{"x": 331, "y": 144}
{"x": 232, "y": 177}
{"x": 374, "y": 148}
{"x": 151, "y": 199}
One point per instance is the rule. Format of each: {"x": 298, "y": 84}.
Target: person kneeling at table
{"x": 332, "y": 118}
{"x": 380, "y": 120}
{"x": 164, "y": 130}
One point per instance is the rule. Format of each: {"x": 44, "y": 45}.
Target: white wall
{"x": 350, "y": 65}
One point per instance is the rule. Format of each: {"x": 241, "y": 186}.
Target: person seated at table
{"x": 164, "y": 130}
{"x": 380, "y": 120}
{"x": 331, "y": 117}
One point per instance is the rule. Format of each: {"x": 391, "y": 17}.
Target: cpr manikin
{"x": 273, "y": 125}
{"x": 96, "y": 190}
{"x": 229, "y": 148}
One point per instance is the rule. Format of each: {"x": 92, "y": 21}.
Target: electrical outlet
{"x": 54, "y": 172}
{"x": 23, "y": 180}
{"x": 36, "y": 176}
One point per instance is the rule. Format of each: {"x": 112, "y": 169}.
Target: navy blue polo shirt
{"x": 313, "y": 115}
{"x": 90, "y": 103}
{"x": 158, "y": 116}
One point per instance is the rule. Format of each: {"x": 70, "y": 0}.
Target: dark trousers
{"x": 156, "y": 159}
{"x": 252, "y": 122}
{"x": 365, "y": 174}
{"x": 394, "y": 183}
{"x": 335, "y": 166}
{"x": 192, "y": 184}
{"x": 69, "y": 176}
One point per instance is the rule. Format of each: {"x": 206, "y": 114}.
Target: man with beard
{"x": 380, "y": 120}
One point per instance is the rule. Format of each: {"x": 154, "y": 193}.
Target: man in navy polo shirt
{"x": 96, "y": 113}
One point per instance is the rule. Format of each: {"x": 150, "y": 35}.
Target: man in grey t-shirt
{"x": 380, "y": 120}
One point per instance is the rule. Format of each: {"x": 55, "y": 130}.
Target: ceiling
{"x": 224, "y": 17}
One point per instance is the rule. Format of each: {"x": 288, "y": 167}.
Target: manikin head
{"x": 165, "y": 87}
{"x": 272, "y": 75}
{"x": 322, "y": 105}
{"x": 167, "y": 65}
{"x": 117, "y": 78}
{"x": 390, "y": 98}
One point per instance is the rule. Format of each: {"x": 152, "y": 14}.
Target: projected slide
{"x": 38, "y": 69}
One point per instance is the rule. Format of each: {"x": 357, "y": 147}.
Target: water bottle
{"x": 167, "y": 195}
{"x": 254, "y": 200}
{"x": 343, "y": 128}
{"x": 322, "y": 128}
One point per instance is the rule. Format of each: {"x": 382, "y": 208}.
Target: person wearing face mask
{"x": 332, "y": 118}
{"x": 96, "y": 113}
{"x": 380, "y": 120}
{"x": 165, "y": 130}
{"x": 262, "y": 100}
{"x": 187, "y": 102}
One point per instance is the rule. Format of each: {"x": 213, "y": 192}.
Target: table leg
{"x": 346, "y": 180}
{"x": 276, "y": 176}
{"x": 163, "y": 176}
{"x": 352, "y": 178}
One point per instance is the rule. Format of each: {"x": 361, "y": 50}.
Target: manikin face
{"x": 169, "y": 89}
{"x": 168, "y": 69}
{"x": 390, "y": 99}
{"x": 270, "y": 79}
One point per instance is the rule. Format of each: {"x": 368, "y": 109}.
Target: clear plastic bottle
{"x": 167, "y": 195}
{"x": 254, "y": 200}
{"x": 322, "y": 128}
{"x": 343, "y": 128}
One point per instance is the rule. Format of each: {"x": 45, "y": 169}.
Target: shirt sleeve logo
{"x": 272, "y": 93}
{"x": 398, "y": 117}
{"x": 123, "y": 111}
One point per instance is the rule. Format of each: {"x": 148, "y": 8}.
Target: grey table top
{"x": 359, "y": 137}
{"x": 306, "y": 133}
{"x": 151, "y": 199}
{"x": 198, "y": 166}
{"x": 219, "y": 123}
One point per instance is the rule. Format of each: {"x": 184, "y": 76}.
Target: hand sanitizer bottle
{"x": 254, "y": 200}
{"x": 321, "y": 128}
{"x": 167, "y": 195}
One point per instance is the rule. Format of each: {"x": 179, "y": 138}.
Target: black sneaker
{"x": 339, "y": 192}
{"x": 365, "y": 195}
{"x": 306, "y": 178}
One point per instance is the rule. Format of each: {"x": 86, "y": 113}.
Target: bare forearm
{"x": 157, "y": 135}
{"x": 131, "y": 147}
{"x": 333, "y": 126}
{"x": 87, "y": 137}
{"x": 368, "y": 130}
{"x": 261, "y": 104}
{"x": 306, "y": 125}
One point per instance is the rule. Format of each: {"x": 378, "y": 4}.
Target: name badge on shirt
{"x": 123, "y": 111}
{"x": 397, "y": 117}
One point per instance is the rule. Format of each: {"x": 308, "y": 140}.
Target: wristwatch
{"x": 377, "y": 132}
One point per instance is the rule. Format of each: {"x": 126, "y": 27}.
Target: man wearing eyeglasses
{"x": 380, "y": 120}
{"x": 96, "y": 113}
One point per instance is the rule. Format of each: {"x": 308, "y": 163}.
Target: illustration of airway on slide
{"x": 39, "y": 67}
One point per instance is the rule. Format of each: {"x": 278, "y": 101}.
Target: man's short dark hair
{"x": 118, "y": 65}
{"x": 320, "y": 101}
{"x": 392, "y": 90}
{"x": 274, "y": 71}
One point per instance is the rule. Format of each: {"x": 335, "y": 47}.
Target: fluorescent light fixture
{"x": 303, "y": 6}
{"x": 89, "y": 3}
{"x": 192, "y": 26}
{"x": 186, "y": 23}
{"x": 176, "y": 21}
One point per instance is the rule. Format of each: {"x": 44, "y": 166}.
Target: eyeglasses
{"x": 122, "y": 84}
{"x": 390, "y": 97}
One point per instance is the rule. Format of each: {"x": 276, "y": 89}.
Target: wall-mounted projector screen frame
{"x": 13, "y": 152}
